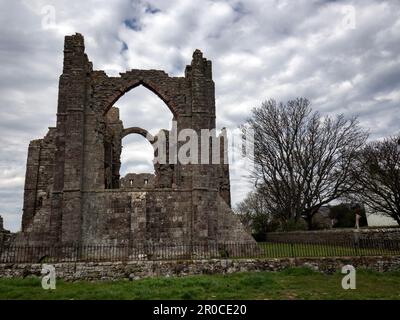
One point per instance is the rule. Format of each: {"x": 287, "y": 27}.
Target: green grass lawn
{"x": 294, "y": 283}
{"x": 282, "y": 250}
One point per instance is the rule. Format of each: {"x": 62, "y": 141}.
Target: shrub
{"x": 293, "y": 225}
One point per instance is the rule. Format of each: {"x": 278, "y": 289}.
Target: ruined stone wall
{"x": 119, "y": 216}
{"x": 39, "y": 183}
{"x": 72, "y": 188}
{"x": 138, "y": 181}
{"x": 112, "y": 149}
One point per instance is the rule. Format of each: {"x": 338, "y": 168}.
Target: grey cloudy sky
{"x": 342, "y": 55}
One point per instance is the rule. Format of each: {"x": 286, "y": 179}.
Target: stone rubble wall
{"x": 38, "y": 183}
{"x": 142, "y": 269}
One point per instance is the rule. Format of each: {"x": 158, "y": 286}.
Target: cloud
{"x": 137, "y": 155}
{"x": 342, "y": 55}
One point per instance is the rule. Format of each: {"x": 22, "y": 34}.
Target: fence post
{"x": 292, "y": 250}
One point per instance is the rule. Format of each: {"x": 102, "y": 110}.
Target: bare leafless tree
{"x": 377, "y": 173}
{"x": 302, "y": 160}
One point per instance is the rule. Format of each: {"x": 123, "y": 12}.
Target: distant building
{"x": 378, "y": 220}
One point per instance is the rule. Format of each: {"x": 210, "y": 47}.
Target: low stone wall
{"x": 142, "y": 269}
{"x": 334, "y": 235}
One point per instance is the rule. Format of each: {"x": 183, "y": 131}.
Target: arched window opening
{"x": 129, "y": 155}
{"x": 137, "y": 155}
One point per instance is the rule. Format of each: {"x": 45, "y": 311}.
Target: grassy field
{"x": 295, "y": 283}
{"x": 281, "y": 250}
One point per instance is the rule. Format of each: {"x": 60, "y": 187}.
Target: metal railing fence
{"x": 13, "y": 253}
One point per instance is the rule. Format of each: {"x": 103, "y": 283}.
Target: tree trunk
{"x": 309, "y": 222}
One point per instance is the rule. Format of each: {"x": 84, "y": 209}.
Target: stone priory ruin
{"x": 73, "y": 189}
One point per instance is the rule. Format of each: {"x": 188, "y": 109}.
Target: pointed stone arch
{"x": 170, "y": 90}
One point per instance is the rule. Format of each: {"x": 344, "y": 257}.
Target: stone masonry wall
{"x": 38, "y": 183}
{"x": 119, "y": 216}
{"x": 142, "y": 269}
{"x": 137, "y": 180}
